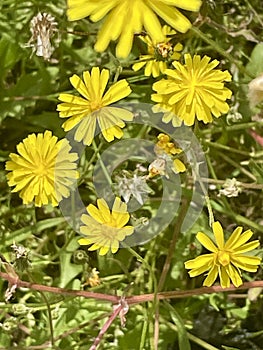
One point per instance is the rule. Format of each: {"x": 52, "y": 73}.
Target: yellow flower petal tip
{"x": 226, "y": 260}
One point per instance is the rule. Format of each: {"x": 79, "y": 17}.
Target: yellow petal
{"x": 234, "y": 276}
{"x": 233, "y": 238}
{"x": 219, "y": 234}
{"x": 211, "y": 277}
{"x": 206, "y": 242}
{"x": 224, "y": 277}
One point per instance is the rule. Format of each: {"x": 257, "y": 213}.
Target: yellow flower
{"x": 104, "y": 229}
{"x": 226, "y": 259}
{"x": 126, "y": 17}
{"x": 159, "y": 54}
{"x": 193, "y": 90}
{"x": 86, "y": 111}
{"x": 43, "y": 170}
{"x": 165, "y": 150}
{"x": 93, "y": 279}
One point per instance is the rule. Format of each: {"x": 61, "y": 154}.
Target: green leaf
{"x": 68, "y": 270}
{"x": 183, "y": 340}
{"x": 10, "y": 53}
{"x": 26, "y": 232}
{"x": 254, "y": 66}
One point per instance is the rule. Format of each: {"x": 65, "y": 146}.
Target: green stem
{"x": 105, "y": 171}
{"x": 177, "y": 229}
{"x": 237, "y": 166}
{"x": 48, "y": 311}
{"x": 220, "y": 50}
{"x": 144, "y": 331}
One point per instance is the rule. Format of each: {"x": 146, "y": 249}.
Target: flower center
{"x": 223, "y": 257}
{"x": 95, "y": 105}
{"x": 41, "y": 170}
{"x": 163, "y": 51}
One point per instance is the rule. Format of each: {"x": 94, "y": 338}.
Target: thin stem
{"x": 105, "y": 171}
{"x": 222, "y": 52}
{"x": 48, "y": 311}
{"x": 238, "y": 166}
{"x": 252, "y": 186}
{"x": 106, "y": 327}
{"x": 177, "y": 229}
{"x": 144, "y": 331}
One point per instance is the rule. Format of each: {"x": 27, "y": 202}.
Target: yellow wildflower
{"x": 104, "y": 229}
{"x": 126, "y": 17}
{"x": 93, "y": 107}
{"x": 226, "y": 259}
{"x": 44, "y": 170}
{"x": 193, "y": 90}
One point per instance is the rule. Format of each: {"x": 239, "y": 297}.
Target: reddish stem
{"x": 135, "y": 299}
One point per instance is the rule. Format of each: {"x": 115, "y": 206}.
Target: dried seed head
{"x": 43, "y": 26}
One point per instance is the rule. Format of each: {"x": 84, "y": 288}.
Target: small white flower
{"x": 231, "y": 188}
{"x": 134, "y": 186}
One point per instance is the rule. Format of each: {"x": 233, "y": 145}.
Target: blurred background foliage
{"x": 231, "y": 31}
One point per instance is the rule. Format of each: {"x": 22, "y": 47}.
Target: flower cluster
{"x": 165, "y": 151}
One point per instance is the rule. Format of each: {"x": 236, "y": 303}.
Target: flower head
{"x": 43, "y": 26}
{"x": 135, "y": 186}
{"x": 193, "y": 90}
{"x": 231, "y": 188}
{"x": 93, "y": 279}
{"x": 159, "y": 54}
{"x": 104, "y": 229}
{"x": 226, "y": 259}
{"x": 165, "y": 151}
{"x": 44, "y": 170}
{"x": 141, "y": 14}
{"x": 93, "y": 107}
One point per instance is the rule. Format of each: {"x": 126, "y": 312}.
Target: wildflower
{"x": 165, "y": 151}
{"x": 93, "y": 107}
{"x": 233, "y": 115}
{"x": 93, "y": 279}
{"x": 126, "y": 17}
{"x": 157, "y": 167}
{"x": 255, "y": 90}
{"x": 104, "y": 229}
{"x": 134, "y": 186}
{"x": 231, "y": 188}
{"x": 42, "y": 27}
{"x": 226, "y": 259}
{"x": 193, "y": 90}
{"x": 43, "y": 170}
{"x": 22, "y": 261}
{"x": 159, "y": 54}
